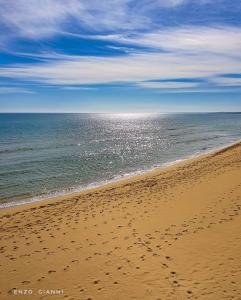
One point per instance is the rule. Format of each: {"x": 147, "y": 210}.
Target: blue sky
{"x": 120, "y": 55}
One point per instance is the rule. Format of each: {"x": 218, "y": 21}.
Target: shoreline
{"x": 116, "y": 180}
{"x": 173, "y": 233}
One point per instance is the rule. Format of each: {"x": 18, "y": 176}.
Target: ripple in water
{"x": 42, "y": 155}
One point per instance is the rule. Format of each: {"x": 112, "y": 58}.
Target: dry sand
{"x": 169, "y": 234}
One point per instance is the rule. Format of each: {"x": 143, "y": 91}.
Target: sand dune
{"x": 173, "y": 233}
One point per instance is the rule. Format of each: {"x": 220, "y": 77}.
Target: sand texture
{"x": 173, "y": 233}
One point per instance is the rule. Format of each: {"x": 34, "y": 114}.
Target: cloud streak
{"x": 40, "y": 19}
{"x": 164, "y": 53}
{"x": 188, "y": 39}
{"x": 222, "y": 81}
{"x": 192, "y": 52}
{"x": 14, "y": 90}
{"x": 167, "y": 85}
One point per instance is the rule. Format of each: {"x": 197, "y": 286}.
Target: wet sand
{"x": 173, "y": 233}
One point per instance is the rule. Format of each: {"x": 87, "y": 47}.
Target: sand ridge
{"x": 173, "y": 233}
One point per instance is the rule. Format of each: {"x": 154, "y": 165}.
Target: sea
{"x": 48, "y": 155}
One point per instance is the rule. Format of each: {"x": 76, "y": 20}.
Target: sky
{"x": 120, "y": 55}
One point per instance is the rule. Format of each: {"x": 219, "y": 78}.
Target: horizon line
{"x": 150, "y": 113}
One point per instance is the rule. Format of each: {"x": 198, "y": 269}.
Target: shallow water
{"x": 43, "y": 155}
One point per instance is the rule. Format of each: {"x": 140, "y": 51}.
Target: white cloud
{"x": 167, "y": 85}
{"x": 191, "y": 52}
{"x": 224, "y": 81}
{"x": 218, "y": 40}
{"x": 181, "y": 52}
{"x": 130, "y": 68}
{"x": 170, "y": 3}
{"x": 194, "y": 90}
{"x": 77, "y": 88}
{"x": 14, "y": 90}
{"x": 35, "y": 19}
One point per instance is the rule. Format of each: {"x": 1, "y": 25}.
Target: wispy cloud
{"x": 78, "y": 88}
{"x": 167, "y": 85}
{"x": 27, "y": 18}
{"x": 164, "y": 53}
{"x": 32, "y": 18}
{"x": 188, "y": 39}
{"x": 14, "y": 90}
{"x": 224, "y": 81}
{"x": 36, "y": 19}
{"x": 192, "y": 52}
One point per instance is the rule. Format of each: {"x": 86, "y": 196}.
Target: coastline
{"x": 172, "y": 233}
{"x": 115, "y": 180}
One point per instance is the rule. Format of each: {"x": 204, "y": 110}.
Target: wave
{"x": 25, "y": 149}
{"x": 200, "y": 139}
{"x": 115, "y": 178}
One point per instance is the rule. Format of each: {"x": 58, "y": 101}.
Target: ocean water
{"x": 46, "y": 155}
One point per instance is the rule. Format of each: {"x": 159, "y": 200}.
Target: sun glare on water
{"x": 129, "y": 115}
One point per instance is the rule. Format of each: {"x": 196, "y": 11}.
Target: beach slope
{"x": 173, "y": 233}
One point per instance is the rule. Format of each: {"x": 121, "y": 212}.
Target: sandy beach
{"x": 173, "y": 233}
